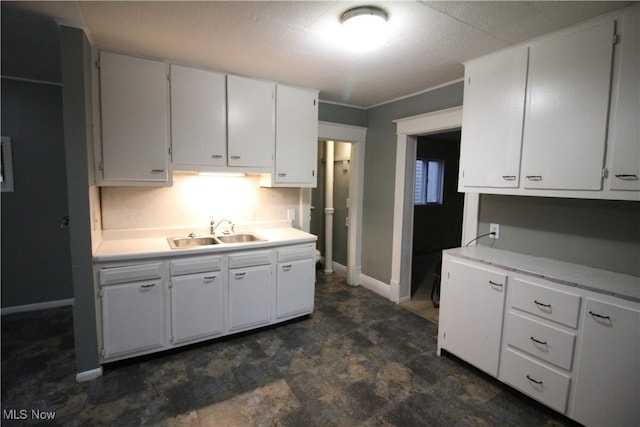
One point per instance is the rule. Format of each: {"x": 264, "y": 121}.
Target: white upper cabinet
{"x": 251, "y": 123}
{"x": 624, "y": 133}
{"x": 494, "y": 91}
{"x": 198, "y": 118}
{"x": 566, "y": 114}
{"x": 134, "y": 140}
{"x": 296, "y": 137}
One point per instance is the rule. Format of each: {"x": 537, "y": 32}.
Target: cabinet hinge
{"x": 616, "y": 39}
{"x": 469, "y": 81}
{"x": 98, "y": 64}
{"x": 169, "y": 76}
{"x": 169, "y": 150}
{"x": 605, "y": 173}
{"x": 101, "y": 166}
{"x": 313, "y": 172}
{"x": 102, "y": 352}
{"x": 448, "y": 275}
{"x": 314, "y": 102}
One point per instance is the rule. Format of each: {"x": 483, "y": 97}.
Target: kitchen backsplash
{"x": 194, "y": 200}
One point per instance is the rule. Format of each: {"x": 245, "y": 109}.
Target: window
{"x": 429, "y": 182}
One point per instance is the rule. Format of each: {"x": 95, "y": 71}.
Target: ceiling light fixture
{"x": 363, "y": 27}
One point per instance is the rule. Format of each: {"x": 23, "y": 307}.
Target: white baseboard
{"x": 89, "y": 375}
{"x": 340, "y": 269}
{"x": 375, "y": 285}
{"x": 37, "y": 306}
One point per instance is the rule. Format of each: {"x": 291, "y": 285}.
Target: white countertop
{"x": 593, "y": 279}
{"x": 122, "y": 245}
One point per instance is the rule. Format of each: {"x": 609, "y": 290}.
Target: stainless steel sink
{"x": 191, "y": 242}
{"x": 194, "y": 242}
{"x": 239, "y": 238}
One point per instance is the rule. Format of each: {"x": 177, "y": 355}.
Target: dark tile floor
{"x": 358, "y": 360}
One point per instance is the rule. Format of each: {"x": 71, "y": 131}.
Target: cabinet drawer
{"x": 536, "y": 380}
{"x": 131, "y": 273}
{"x": 561, "y": 307}
{"x": 196, "y": 265}
{"x": 298, "y": 252}
{"x": 248, "y": 259}
{"x": 549, "y": 344}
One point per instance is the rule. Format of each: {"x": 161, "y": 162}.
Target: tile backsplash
{"x": 194, "y": 200}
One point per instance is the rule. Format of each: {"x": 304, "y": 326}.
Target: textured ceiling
{"x": 291, "y": 42}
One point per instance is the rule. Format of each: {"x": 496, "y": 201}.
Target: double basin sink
{"x": 192, "y": 242}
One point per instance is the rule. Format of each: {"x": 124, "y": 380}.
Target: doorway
{"x": 437, "y": 216}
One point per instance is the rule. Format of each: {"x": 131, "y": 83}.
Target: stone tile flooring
{"x": 358, "y": 360}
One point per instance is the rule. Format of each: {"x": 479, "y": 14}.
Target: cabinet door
{"x": 132, "y": 318}
{"x": 607, "y": 390}
{"x": 198, "y": 117}
{"x": 624, "y": 167}
{"x": 296, "y": 136}
{"x": 196, "y": 306}
{"x": 492, "y": 117}
{"x": 295, "y": 288}
{"x": 251, "y": 122}
{"x": 566, "y": 113}
{"x": 249, "y": 297}
{"x": 471, "y": 310}
{"x": 134, "y": 104}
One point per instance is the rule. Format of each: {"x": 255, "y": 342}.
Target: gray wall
{"x": 35, "y": 250}
{"x": 346, "y": 115}
{"x": 379, "y": 173}
{"x": 598, "y": 233}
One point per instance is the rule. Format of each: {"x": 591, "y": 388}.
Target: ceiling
{"x": 291, "y": 42}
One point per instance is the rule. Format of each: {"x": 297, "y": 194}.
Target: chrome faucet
{"x": 214, "y": 226}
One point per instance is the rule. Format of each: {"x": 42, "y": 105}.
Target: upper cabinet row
{"x": 558, "y": 117}
{"x": 157, "y": 117}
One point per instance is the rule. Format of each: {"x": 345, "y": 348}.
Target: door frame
{"x": 408, "y": 130}
{"x": 356, "y": 135}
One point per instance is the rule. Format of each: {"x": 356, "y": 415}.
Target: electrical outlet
{"x": 494, "y": 228}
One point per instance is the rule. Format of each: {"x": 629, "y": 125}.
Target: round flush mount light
{"x": 363, "y": 27}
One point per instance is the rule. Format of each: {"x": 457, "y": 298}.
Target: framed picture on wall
{"x": 6, "y": 165}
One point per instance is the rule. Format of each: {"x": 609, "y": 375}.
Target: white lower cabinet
{"x": 169, "y": 302}
{"x": 607, "y": 387}
{"x": 294, "y": 282}
{"x": 133, "y": 310}
{"x": 472, "y": 301}
{"x": 249, "y": 290}
{"x": 197, "y": 299}
{"x": 565, "y": 343}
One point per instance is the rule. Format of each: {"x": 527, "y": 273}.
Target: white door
{"x": 471, "y": 309}
{"x": 607, "y": 386}
{"x": 251, "y": 122}
{"x": 196, "y": 306}
{"x": 296, "y": 136}
{"x": 198, "y": 117}
{"x": 492, "y": 118}
{"x": 566, "y": 114}
{"x": 134, "y": 101}
{"x": 249, "y": 297}
{"x": 295, "y": 287}
{"x": 132, "y": 317}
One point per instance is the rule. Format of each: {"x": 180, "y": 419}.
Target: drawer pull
{"x": 282, "y": 175}
{"x": 147, "y": 287}
{"x": 599, "y": 316}
{"x": 538, "y": 341}
{"x": 157, "y": 170}
{"x": 541, "y": 304}
{"x": 534, "y": 177}
{"x": 494, "y": 283}
{"x": 286, "y": 267}
{"x": 533, "y": 381}
{"x": 209, "y": 278}
{"x": 216, "y": 156}
{"x": 627, "y": 177}
{"x": 235, "y": 157}
{"x": 509, "y": 177}
{"x": 240, "y": 275}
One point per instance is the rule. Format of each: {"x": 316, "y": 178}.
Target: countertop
{"x": 123, "y": 245}
{"x": 602, "y": 281}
